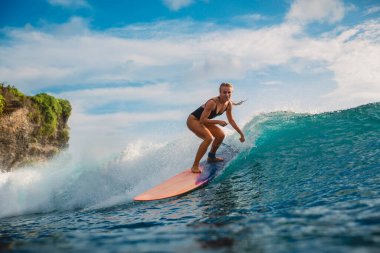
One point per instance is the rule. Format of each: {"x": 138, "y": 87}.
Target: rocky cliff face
{"x": 32, "y": 129}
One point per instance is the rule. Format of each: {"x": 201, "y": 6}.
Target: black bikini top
{"x": 198, "y": 112}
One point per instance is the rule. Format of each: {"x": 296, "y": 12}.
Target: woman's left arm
{"x": 233, "y": 123}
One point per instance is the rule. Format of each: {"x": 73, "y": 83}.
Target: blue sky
{"x": 108, "y": 14}
{"x": 133, "y": 70}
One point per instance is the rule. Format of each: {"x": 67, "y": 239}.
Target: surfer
{"x": 202, "y": 124}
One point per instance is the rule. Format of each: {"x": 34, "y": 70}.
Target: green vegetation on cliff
{"x": 49, "y": 111}
{"x": 46, "y": 111}
{"x": 11, "y": 99}
{"x": 2, "y": 104}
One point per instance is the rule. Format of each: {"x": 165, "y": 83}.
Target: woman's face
{"x": 225, "y": 93}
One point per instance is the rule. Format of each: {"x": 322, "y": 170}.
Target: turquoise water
{"x": 306, "y": 183}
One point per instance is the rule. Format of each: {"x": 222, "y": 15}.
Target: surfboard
{"x": 185, "y": 181}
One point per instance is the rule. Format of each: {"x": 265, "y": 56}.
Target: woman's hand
{"x": 222, "y": 123}
{"x": 242, "y": 138}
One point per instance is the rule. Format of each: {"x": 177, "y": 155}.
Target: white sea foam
{"x": 70, "y": 181}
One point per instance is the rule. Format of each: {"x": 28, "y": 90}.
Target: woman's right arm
{"x": 233, "y": 124}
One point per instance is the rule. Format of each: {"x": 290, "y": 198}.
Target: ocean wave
{"x": 286, "y": 156}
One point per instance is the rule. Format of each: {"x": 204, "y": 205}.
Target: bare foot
{"x": 196, "y": 169}
{"x": 215, "y": 160}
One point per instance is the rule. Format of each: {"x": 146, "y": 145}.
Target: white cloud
{"x": 307, "y": 11}
{"x": 251, "y": 18}
{"x": 162, "y": 94}
{"x": 69, "y": 3}
{"x": 38, "y": 59}
{"x": 373, "y": 10}
{"x": 108, "y": 123}
{"x": 176, "y": 5}
{"x": 352, "y": 57}
{"x": 182, "y": 68}
{"x": 90, "y": 98}
{"x": 357, "y": 67}
{"x": 272, "y": 83}
{"x": 46, "y": 58}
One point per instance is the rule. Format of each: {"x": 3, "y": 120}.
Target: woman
{"x": 202, "y": 124}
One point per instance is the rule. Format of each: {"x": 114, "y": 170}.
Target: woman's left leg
{"x": 218, "y": 139}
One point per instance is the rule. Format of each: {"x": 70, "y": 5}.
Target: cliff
{"x": 32, "y": 128}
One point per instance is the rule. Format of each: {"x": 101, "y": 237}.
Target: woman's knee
{"x": 208, "y": 139}
{"x": 220, "y": 136}
{"x": 217, "y": 132}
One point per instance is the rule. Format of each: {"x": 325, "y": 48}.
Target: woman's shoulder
{"x": 211, "y": 101}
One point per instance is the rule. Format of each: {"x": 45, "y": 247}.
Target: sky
{"x": 133, "y": 70}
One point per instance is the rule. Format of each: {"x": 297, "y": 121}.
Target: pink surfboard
{"x": 186, "y": 181}
{"x": 180, "y": 184}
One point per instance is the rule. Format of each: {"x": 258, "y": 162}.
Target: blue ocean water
{"x": 304, "y": 183}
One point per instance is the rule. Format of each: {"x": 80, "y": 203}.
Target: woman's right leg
{"x": 202, "y": 132}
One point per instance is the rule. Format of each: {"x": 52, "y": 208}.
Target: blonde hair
{"x": 231, "y": 86}
{"x": 225, "y": 85}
